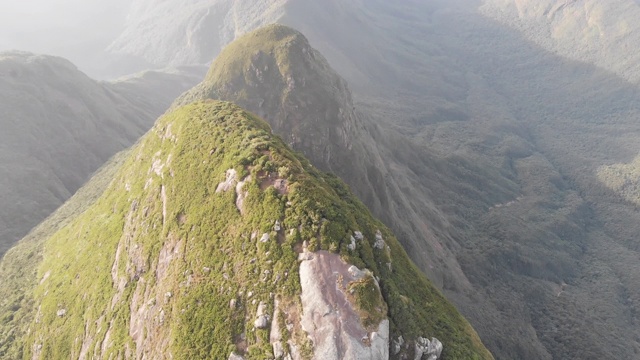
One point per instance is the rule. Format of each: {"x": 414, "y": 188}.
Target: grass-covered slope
{"x": 167, "y": 261}
{"x": 19, "y": 267}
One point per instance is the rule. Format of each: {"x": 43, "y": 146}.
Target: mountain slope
{"x": 58, "y": 126}
{"x": 187, "y": 32}
{"x": 275, "y": 73}
{"x": 535, "y": 248}
{"x": 18, "y": 268}
{"x": 599, "y": 33}
{"x": 211, "y": 226}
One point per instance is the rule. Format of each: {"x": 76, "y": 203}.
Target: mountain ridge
{"x": 59, "y": 126}
{"x": 548, "y": 251}
{"x": 152, "y": 249}
{"x": 310, "y": 106}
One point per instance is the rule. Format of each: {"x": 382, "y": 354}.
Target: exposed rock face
{"x": 397, "y": 345}
{"x": 241, "y": 194}
{"x": 330, "y": 318}
{"x": 234, "y": 356}
{"x": 262, "y": 318}
{"x": 380, "y": 244}
{"x": 352, "y": 244}
{"x": 230, "y": 181}
{"x": 429, "y": 350}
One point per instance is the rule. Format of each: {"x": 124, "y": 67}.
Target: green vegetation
{"x": 18, "y": 269}
{"x": 163, "y": 262}
{"x": 371, "y": 307}
{"x": 624, "y": 179}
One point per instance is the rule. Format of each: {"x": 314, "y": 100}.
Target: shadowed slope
{"x": 58, "y": 126}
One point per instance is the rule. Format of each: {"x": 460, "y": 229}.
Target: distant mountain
{"x": 77, "y": 30}
{"x": 59, "y": 126}
{"x": 172, "y": 33}
{"x": 601, "y": 33}
{"x": 213, "y": 240}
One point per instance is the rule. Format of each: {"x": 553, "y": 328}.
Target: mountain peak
{"x": 273, "y": 39}
{"x": 262, "y": 54}
{"x": 275, "y": 73}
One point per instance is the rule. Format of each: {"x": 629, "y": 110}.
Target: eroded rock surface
{"x": 241, "y": 194}
{"x": 330, "y": 318}
{"x": 230, "y": 181}
{"x": 262, "y": 319}
{"x": 429, "y": 350}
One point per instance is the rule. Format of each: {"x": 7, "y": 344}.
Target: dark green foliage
{"x": 372, "y": 308}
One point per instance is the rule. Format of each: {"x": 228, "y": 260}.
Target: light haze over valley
{"x": 186, "y": 179}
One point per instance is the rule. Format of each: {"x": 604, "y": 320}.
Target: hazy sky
{"x": 75, "y": 29}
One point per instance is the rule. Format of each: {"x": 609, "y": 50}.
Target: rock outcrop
{"x": 330, "y": 317}
{"x": 231, "y": 179}
{"x": 427, "y": 350}
{"x": 262, "y": 318}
